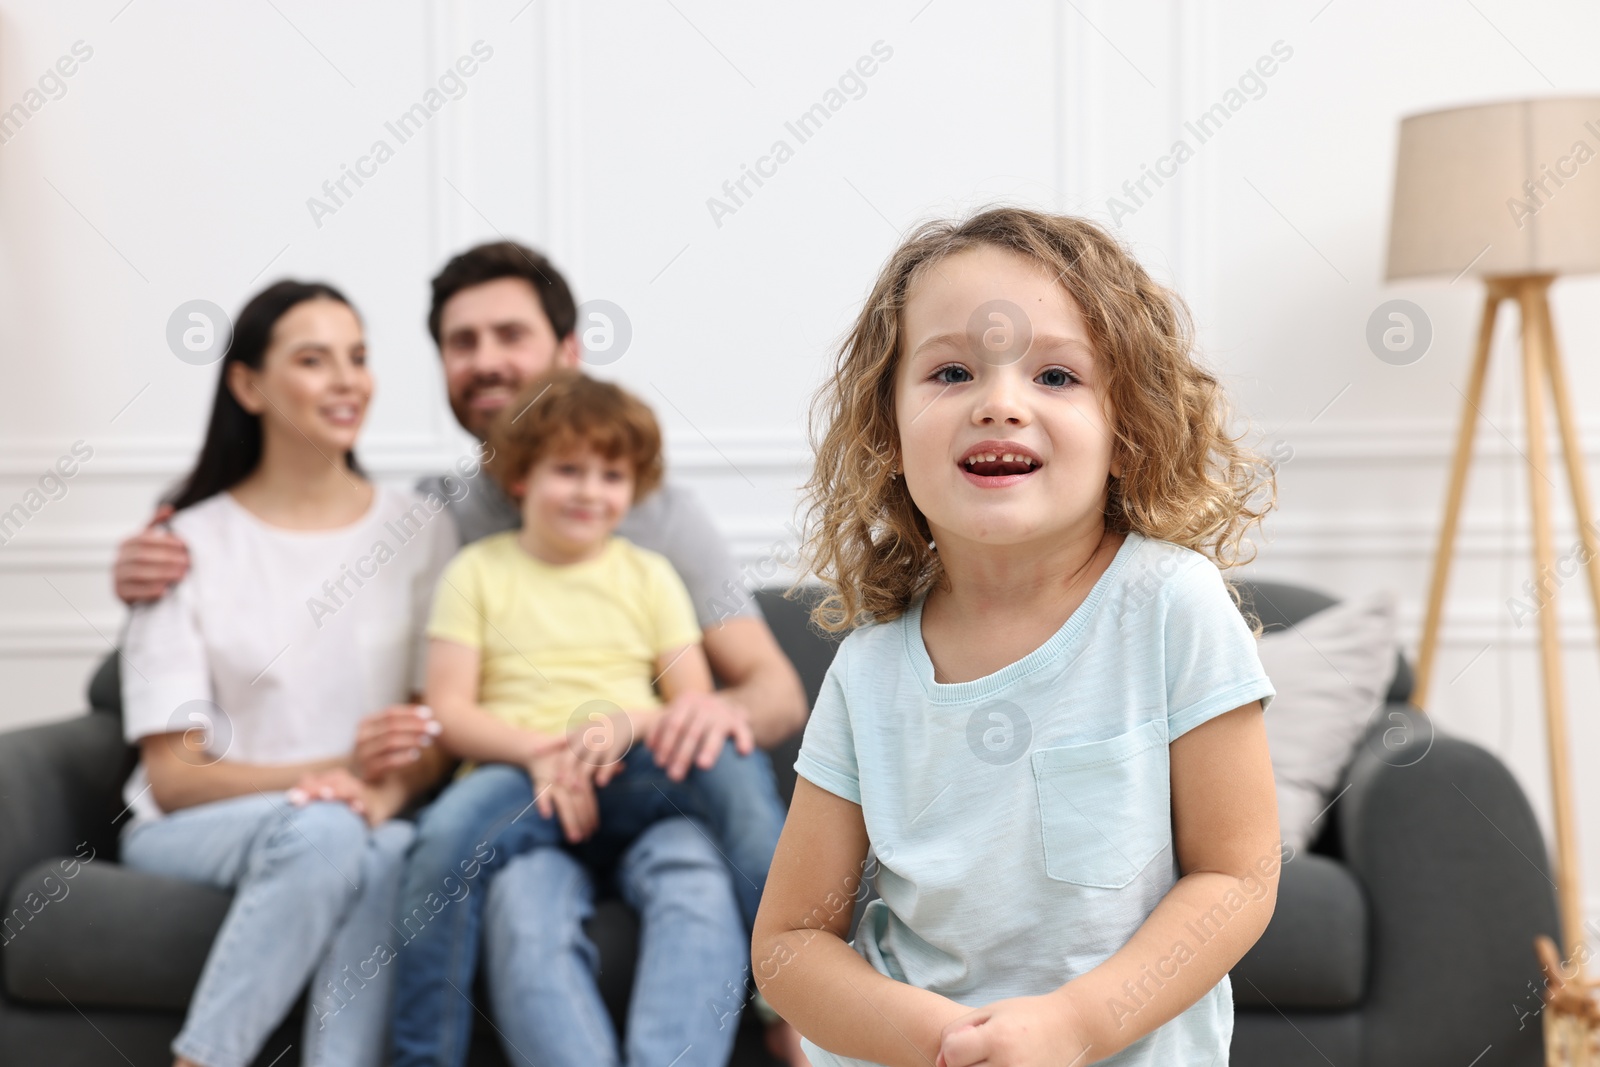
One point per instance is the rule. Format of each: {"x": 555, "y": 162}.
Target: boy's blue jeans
{"x": 482, "y": 821}
{"x": 689, "y": 978}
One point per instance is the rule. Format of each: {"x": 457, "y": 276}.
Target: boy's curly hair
{"x": 1184, "y": 479}
{"x": 565, "y": 409}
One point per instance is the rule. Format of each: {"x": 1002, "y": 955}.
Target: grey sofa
{"x": 1403, "y": 936}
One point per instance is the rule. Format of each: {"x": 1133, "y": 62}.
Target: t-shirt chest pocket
{"x": 1105, "y": 807}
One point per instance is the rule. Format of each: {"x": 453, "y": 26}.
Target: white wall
{"x": 179, "y": 161}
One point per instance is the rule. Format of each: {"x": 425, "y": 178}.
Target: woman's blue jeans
{"x": 314, "y": 891}
{"x": 481, "y": 822}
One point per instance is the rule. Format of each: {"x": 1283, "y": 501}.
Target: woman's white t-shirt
{"x": 277, "y": 641}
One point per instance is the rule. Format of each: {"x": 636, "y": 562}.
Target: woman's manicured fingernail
{"x": 297, "y": 796}
{"x": 424, "y": 712}
{"x": 426, "y": 741}
{"x": 434, "y": 728}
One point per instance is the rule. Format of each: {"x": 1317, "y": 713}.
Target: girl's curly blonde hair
{"x": 1184, "y": 479}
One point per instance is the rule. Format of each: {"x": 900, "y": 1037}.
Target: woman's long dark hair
{"x": 232, "y": 448}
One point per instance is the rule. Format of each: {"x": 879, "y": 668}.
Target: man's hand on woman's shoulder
{"x": 150, "y": 562}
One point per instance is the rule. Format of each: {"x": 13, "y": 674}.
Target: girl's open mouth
{"x": 993, "y": 469}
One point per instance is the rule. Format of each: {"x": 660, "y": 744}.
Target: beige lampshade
{"x": 1507, "y": 188}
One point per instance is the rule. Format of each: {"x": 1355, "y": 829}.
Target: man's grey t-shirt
{"x": 669, "y": 521}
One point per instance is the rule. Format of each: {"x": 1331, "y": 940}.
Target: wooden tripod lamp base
{"x": 1488, "y": 190}
{"x": 1541, "y": 367}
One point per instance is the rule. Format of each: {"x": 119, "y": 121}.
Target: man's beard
{"x": 474, "y": 420}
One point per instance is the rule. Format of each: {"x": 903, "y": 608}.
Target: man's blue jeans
{"x": 484, "y": 820}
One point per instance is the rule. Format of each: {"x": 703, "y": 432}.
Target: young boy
{"x": 553, "y": 650}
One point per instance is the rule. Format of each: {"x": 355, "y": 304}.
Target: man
{"x": 502, "y": 315}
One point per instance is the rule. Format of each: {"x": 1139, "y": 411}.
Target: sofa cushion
{"x": 1314, "y": 951}
{"x": 1331, "y": 672}
{"x": 113, "y": 937}
{"x": 109, "y": 937}
{"x": 105, "y": 686}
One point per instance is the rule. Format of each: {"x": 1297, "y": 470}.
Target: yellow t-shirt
{"x": 553, "y": 638}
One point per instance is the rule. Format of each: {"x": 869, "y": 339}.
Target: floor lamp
{"x": 1510, "y": 193}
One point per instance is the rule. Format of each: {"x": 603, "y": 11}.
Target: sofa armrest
{"x": 1454, "y": 867}
{"x": 60, "y": 787}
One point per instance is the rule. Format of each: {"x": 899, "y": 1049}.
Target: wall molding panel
{"x": 597, "y": 133}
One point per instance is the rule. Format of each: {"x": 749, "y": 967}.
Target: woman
{"x": 302, "y": 611}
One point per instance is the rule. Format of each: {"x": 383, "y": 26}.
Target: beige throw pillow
{"x": 1331, "y": 673}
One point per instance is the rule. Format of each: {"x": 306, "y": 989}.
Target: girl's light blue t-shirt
{"x": 1021, "y": 822}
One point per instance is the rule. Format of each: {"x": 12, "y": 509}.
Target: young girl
{"x": 1046, "y": 721}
